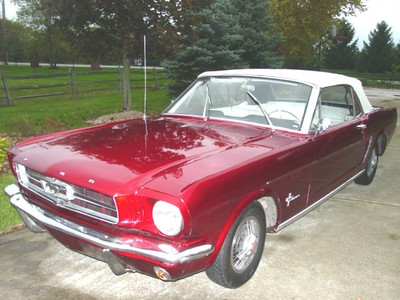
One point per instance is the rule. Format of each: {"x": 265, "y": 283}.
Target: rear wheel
{"x": 370, "y": 169}
{"x": 241, "y": 252}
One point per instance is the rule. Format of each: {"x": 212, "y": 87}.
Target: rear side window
{"x": 338, "y": 103}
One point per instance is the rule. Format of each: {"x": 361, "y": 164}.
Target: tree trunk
{"x": 34, "y": 58}
{"x": 126, "y": 85}
{"x": 53, "y": 64}
{"x": 94, "y": 66}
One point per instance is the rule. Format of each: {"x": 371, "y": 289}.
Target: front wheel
{"x": 241, "y": 252}
{"x": 370, "y": 169}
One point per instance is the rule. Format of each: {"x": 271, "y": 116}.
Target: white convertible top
{"x": 315, "y": 78}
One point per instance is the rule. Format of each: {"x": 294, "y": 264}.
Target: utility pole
{"x": 4, "y": 33}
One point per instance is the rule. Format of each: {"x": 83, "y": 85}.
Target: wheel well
{"x": 270, "y": 211}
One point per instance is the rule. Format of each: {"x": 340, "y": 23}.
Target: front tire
{"x": 241, "y": 252}
{"x": 370, "y": 169}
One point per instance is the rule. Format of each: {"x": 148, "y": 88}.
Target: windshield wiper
{"x": 262, "y": 109}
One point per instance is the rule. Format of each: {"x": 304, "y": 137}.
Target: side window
{"x": 338, "y": 103}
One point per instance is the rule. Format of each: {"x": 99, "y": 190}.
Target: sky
{"x": 378, "y": 11}
{"x": 363, "y": 23}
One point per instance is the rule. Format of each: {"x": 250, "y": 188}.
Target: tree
{"x": 379, "y": 55}
{"x": 256, "y": 27}
{"x": 342, "y": 52}
{"x": 397, "y": 62}
{"x": 15, "y": 41}
{"x": 303, "y": 24}
{"x": 124, "y": 22}
{"x": 227, "y": 34}
{"x": 48, "y": 34}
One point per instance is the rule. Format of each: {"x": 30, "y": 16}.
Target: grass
{"x": 31, "y": 116}
{"x": 43, "y": 114}
{"x": 8, "y": 215}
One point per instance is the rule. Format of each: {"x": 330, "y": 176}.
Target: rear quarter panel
{"x": 382, "y": 121}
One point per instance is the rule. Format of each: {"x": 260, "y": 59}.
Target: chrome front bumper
{"x": 36, "y": 219}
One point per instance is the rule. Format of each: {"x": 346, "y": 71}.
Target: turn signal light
{"x": 162, "y": 273}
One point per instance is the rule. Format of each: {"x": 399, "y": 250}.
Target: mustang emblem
{"x": 50, "y": 188}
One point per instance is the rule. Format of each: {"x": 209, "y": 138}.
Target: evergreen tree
{"x": 228, "y": 34}
{"x": 379, "y": 55}
{"x": 342, "y": 52}
{"x": 256, "y": 25}
{"x": 397, "y": 60}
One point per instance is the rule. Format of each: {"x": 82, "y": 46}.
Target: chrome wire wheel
{"x": 242, "y": 249}
{"x": 245, "y": 244}
{"x": 372, "y": 163}
{"x": 370, "y": 168}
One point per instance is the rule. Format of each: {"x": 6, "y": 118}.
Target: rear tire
{"x": 241, "y": 252}
{"x": 370, "y": 169}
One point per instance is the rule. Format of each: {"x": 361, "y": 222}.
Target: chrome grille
{"x": 68, "y": 195}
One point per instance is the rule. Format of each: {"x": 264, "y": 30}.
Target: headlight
{"x": 167, "y": 218}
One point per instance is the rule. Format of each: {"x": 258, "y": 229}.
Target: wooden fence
{"x": 72, "y": 83}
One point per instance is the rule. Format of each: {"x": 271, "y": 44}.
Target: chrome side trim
{"x": 42, "y": 218}
{"x": 316, "y": 204}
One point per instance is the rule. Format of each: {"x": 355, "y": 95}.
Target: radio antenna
{"x": 145, "y": 78}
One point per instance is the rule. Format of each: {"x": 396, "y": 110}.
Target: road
{"x": 348, "y": 248}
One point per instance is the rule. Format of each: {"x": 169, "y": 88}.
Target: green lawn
{"x": 8, "y": 215}
{"x": 43, "y": 114}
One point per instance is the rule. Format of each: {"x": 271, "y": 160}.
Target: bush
{"x": 4, "y": 146}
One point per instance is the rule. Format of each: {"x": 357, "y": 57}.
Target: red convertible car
{"x": 240, "y": 153}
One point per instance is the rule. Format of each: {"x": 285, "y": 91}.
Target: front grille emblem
{"x": 50, "y": 188}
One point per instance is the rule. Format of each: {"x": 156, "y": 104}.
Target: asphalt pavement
{"x": 347, "y": 248}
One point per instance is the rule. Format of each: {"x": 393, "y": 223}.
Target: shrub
{"x": 4, "y": 146}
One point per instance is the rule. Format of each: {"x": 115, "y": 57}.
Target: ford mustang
{"x": 238, "y": 154}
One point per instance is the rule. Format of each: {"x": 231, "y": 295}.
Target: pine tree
{"x": 256, "y": 27}
{"x": 342, "y": 53}
{"x": 228, "y": 34}
{"x": 379, "y": 55}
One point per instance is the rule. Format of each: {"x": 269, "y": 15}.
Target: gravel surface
{"x": 125, "y": 115}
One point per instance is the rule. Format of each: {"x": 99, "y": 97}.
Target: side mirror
{"x": 323, "y": 125}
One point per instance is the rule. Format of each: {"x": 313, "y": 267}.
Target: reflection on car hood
{"x": 108, "y": 156}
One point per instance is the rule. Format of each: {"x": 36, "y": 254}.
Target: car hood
{"x": 108, "y": 157}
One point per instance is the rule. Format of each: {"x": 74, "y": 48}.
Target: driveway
{"x": 348, "y": 248}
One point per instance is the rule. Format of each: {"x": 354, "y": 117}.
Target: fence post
{"x": 71, "y": 82}
{"x": 6, "y": 90}
{"x": 155, "y": 81}
{"x": 119, "y": 79}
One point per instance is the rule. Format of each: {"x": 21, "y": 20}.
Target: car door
{"x": 339, "y": 150}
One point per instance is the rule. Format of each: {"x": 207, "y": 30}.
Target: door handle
{"x": 361, "y": 126}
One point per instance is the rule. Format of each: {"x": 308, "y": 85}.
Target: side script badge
{"x": 290, "y": 198}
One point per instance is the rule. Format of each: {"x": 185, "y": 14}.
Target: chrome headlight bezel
{"x": 21, "y": 173}
{"x": 167, "y": 218}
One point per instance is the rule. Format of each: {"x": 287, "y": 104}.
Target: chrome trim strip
{"x": 41, "y": 217}
{"x": 316, "y": 204}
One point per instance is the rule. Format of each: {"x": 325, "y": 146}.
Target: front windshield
{"x": 271, "y": 102}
